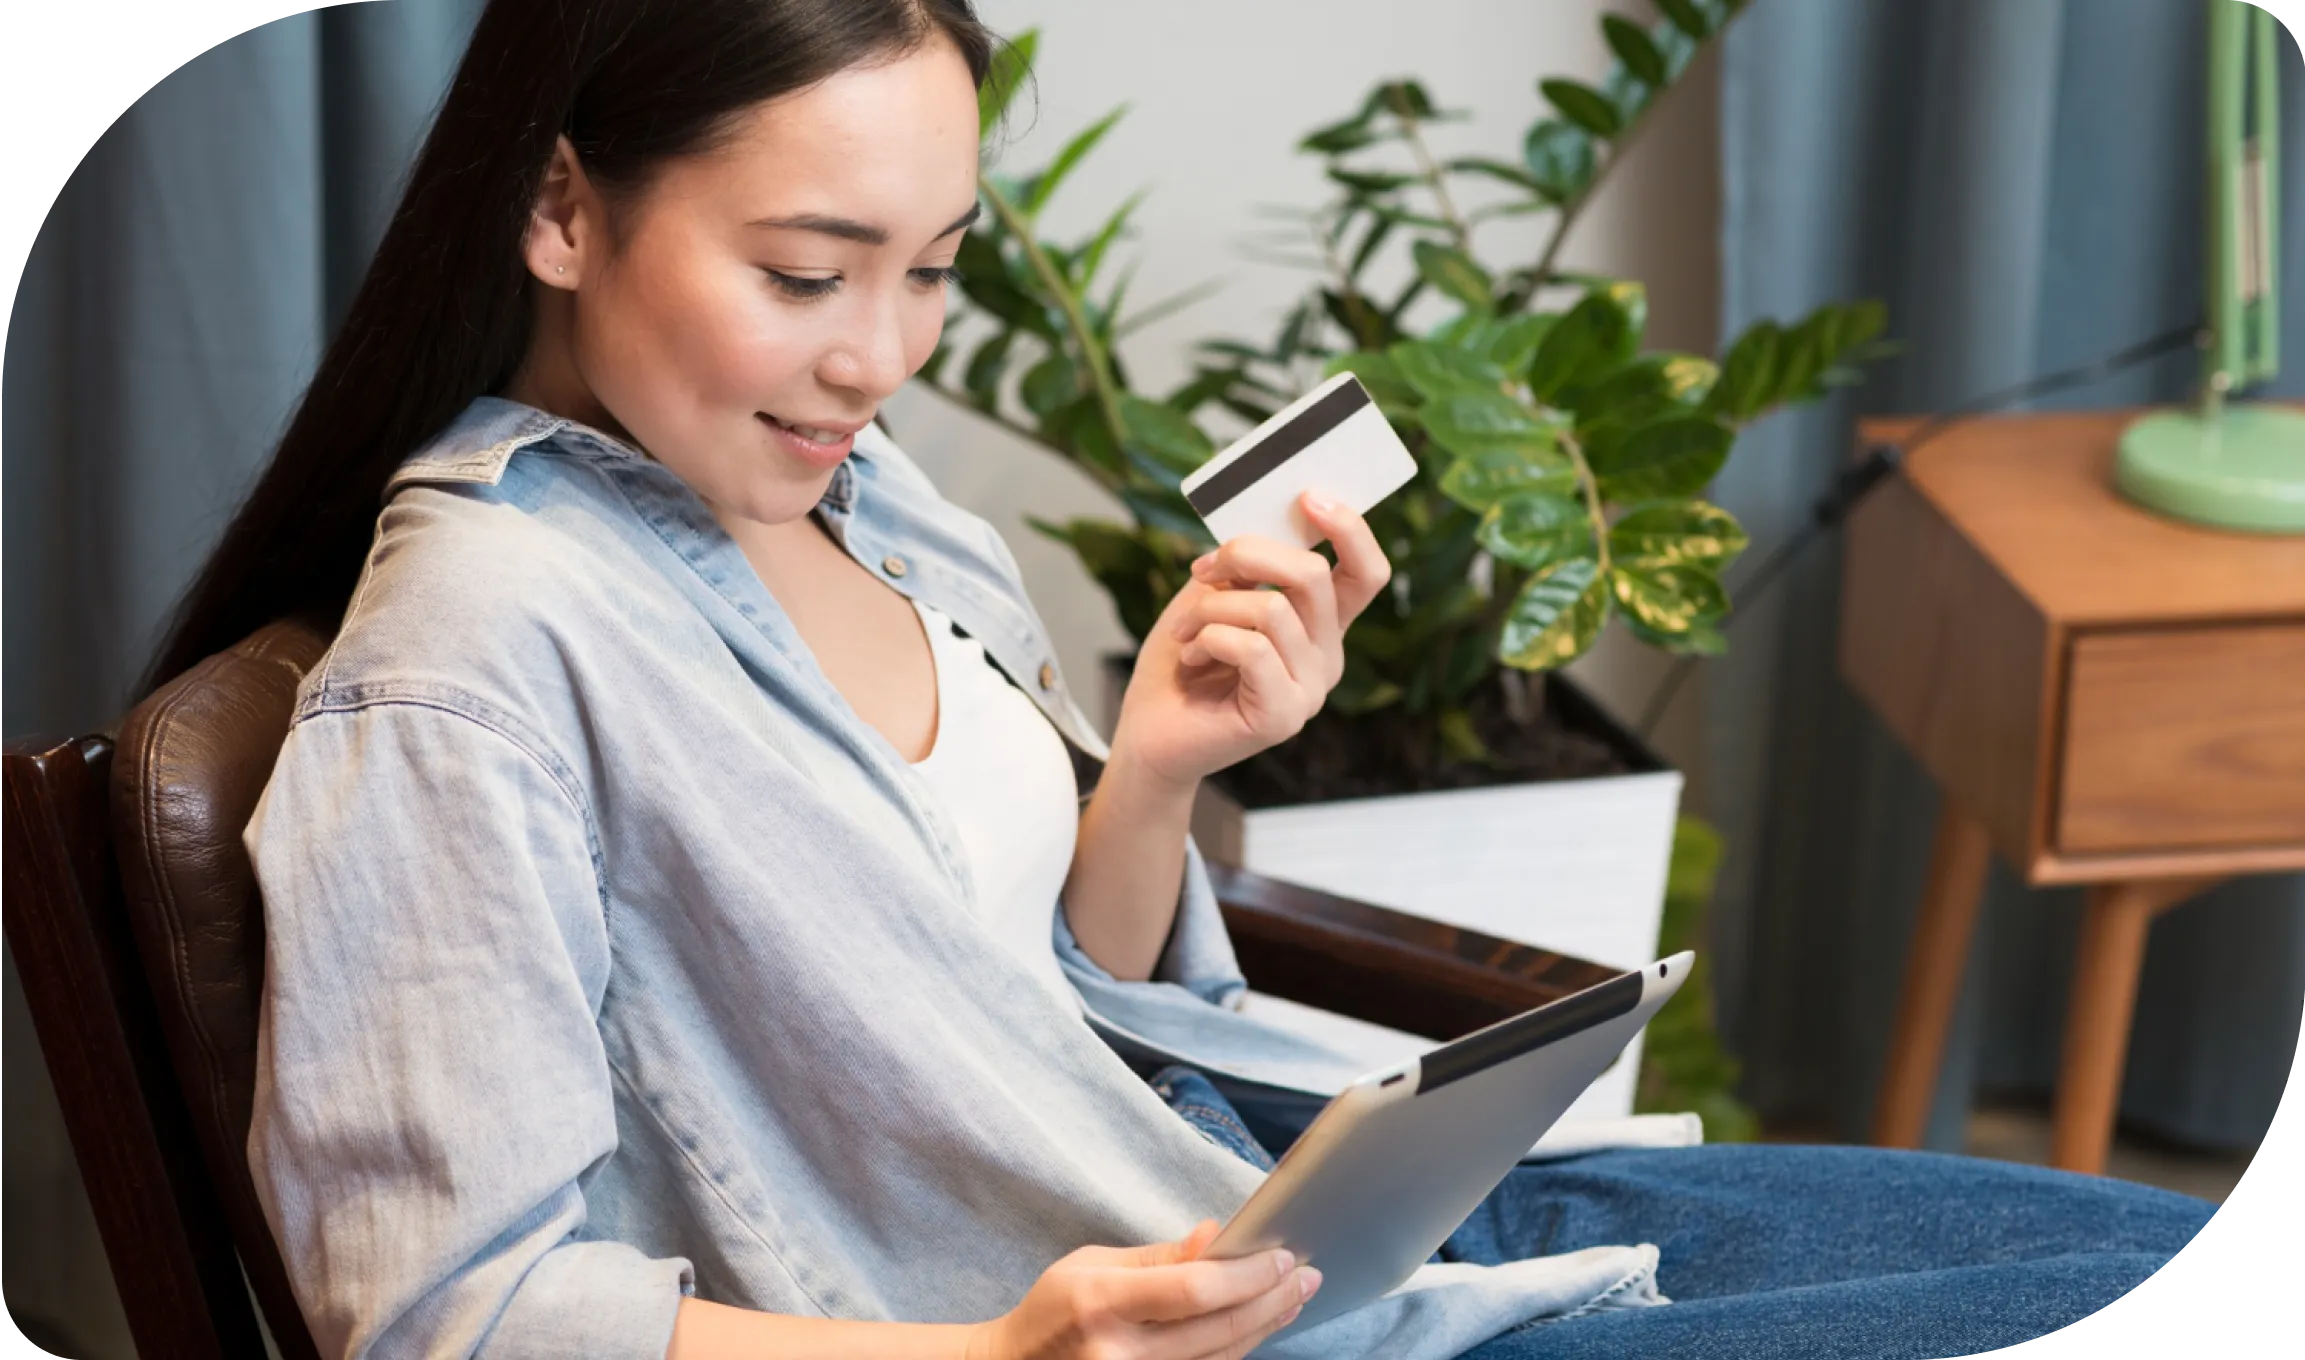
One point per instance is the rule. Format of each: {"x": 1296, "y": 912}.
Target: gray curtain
{"x": 174, "y": 304}
{"x": 2020, "y": 180}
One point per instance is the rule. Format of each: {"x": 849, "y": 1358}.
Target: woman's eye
{"x": 936, "y": 277}
{"x": 794, "y": 285}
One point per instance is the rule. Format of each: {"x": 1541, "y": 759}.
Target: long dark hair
{"x": 443, "y": 313}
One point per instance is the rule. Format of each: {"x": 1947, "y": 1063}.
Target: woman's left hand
{"x": 1231, "y": 669}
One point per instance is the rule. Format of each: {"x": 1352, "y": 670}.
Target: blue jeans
{"x": 1775, "y": 1250}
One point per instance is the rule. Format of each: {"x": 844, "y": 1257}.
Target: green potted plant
{"x": 1454, "y": 771}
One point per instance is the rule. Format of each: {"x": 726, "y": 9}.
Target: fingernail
{"x": 1284, "y": 1261}
{"x": 1291, "y": 1315}
{"x": 1203, "y": 565}
{"x": 1308, "y": 1280}
{"x": 1319, "y": 504}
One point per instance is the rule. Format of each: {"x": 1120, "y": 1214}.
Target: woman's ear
{"x": 565, "y": 229}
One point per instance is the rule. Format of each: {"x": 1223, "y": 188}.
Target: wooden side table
{"x": 2104, "y": 697}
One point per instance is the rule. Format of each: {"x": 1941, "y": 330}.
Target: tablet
{"x": 1402, "y": 1156}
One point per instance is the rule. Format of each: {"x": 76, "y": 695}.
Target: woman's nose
{"x": 870, "y": 358}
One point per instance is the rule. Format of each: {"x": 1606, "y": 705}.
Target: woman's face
{"x": 761, "y": 300}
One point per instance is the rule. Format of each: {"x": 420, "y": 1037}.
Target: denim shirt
{"x": 611, "y": 957}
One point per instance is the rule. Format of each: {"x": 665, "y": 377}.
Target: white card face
{"x": 1333, "y": 440}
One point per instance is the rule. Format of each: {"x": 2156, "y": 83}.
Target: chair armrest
{"x": 1384, "y": 966}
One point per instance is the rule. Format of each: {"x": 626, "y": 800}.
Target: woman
{"x": 681, "y": 943}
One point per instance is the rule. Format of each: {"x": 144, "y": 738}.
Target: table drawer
{"x": 2184, "y": 738}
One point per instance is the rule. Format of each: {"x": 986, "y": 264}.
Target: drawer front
{"x": 2184, "y": 738}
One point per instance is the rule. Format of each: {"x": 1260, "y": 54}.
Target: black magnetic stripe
{"x": 1280, "y": 446}
{"x": 1484, "y": 1049}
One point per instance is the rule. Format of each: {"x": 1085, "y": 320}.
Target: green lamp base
{"x": 2242, "y": 468}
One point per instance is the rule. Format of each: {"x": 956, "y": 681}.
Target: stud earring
{"x": 560, "y": 269}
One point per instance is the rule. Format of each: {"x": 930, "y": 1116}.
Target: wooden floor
{"x": 2018, "y": 1133}
{"x": 2022, "y": 1135}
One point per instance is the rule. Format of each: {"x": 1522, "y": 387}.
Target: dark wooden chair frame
{"x": 158, "y": 1212}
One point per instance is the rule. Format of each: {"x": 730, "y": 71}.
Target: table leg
{"x": 2105, "y": 972}
{"x": 1933, "y": 968}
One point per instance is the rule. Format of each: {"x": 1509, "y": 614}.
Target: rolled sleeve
{"x": 432, "y": 1087}
{"x": 1199, "y": 954}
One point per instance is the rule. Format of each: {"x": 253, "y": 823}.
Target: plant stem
{"x": 1431, "y": 171}
{"x": 1575, "y": 208}
{"x": 1590, "y": 485}
{"x": 1356, "y": 305}
{"x": 1099, "y": 365}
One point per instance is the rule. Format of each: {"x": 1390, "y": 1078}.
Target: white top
{"x": 1003, "y": 776}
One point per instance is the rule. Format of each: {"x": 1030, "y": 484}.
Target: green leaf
{"x": 1356, "y": 316}
{"x": 1632, "y": 46}
{"x": 1669, "y": 459}
{"x": 1535, "y": 530}
{"x": 1092, "y": 255}
{"x": 1369, "y": 181}
{"x": 1484, "y": 477}
{"x": 1361, "y": 689}
{"x": 1650, "y": 386}
{"x": 985, "y": 367}
{"x": 1167, "y": 436}
{"x": 1862, "y": 321}
{"x": 1668, "y": 600}
{"x": 1438, "y": 370}
{"x": 1687, "y": 17}
{"x": 1454, "y": 273}
{"x": 1466, "y": 422}
{"x": 1045, "y": 184}
{"x": 1011, "y": 63}
{"x": 1748, "y": 374}
{"x": 1496, "y": 170}
{"x": 1688, "y": 378}
{"x": 1555, "y": 617}
{"x": 1677, "y": 533}
{"x": 999, "y": 288}
{"x": 1627, "y": 93}
{"x": 1164, "y": 510}
{"x": 1079, "y": 430}
{"x": 1378, "y": 373}
{"x": 1704, "y": 639}
{"x": 1460, "y": 739}
{"x": 1468, "y": 331}
{"x": 1402, "y": 98}
{"x": 1380, "y": 227}
{"x": 1585, "y": 106}
{"x": 1514, "y": 341}
{"x": 1050, "y": 384}
{"x": 1676, "y": 47}
{"x": 1339, "y": 138}
{"x": 1471, "y": 658}
{"x": 1560, "y": 158}
{"x": 1595, "y": 337}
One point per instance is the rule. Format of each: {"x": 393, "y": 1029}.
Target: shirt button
{"x": 1047, "y": 675}
{"x": 893, "y": 565}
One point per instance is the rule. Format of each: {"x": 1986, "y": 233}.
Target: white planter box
{"x": 1576, "y": 866}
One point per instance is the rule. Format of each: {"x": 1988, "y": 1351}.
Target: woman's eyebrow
{"x": 849, "y": 229}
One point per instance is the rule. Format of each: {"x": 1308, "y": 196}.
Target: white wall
{"x": 1218, "y": 95}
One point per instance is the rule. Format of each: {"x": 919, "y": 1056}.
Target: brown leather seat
{"x": 190, "y": 764}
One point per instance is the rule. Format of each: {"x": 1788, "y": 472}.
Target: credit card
{"x": 1332, "y": 440}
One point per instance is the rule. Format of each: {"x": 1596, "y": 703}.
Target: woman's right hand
{"x": 1160, "y": 1302}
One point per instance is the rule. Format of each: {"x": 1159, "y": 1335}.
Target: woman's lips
{"x": 804, "y": 448}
